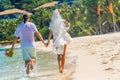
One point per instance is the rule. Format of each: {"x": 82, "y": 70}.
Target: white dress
{"x": 60, "y": 34}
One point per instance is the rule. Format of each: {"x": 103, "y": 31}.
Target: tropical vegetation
{"x": 82, "y": 14}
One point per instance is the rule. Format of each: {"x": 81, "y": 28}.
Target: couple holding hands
{"x": 58, "y": 29}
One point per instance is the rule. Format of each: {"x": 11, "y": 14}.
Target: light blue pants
{"x": 28, "y": 53}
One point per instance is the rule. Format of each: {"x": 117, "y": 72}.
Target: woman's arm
{"x": 49, "y": 37}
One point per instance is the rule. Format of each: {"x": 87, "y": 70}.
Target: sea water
{"x": 13, "y": 68}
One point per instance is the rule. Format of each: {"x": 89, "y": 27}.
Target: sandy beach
{"x": 98, "y": 57}
{"x": 93, "y": 57}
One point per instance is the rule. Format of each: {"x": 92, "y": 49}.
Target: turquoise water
{"x": 46, "y": 67}
{"x": 10, "y": 68}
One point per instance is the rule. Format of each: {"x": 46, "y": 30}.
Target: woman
{"x": 58, "y": 28}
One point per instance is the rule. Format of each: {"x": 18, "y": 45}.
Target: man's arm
{"x": 39, "y": 36}
{"x": 14, "y": 42}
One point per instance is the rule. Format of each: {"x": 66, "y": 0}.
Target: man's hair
{"x": 25, "y": 16}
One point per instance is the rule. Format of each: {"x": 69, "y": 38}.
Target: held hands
{"x": 46, "y": 44}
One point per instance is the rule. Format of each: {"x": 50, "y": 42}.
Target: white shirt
{"x": 26, "y": 33}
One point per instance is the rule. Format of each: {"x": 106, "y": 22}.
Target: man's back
{"x": 26, "y": 33}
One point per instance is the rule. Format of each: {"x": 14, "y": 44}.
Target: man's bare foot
{"x": 29, "y": 66}
{"x": 32, "y": 61}
{"x": 28, "y": 69}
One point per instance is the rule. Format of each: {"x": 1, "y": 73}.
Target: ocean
{"x": 46, "y": 67}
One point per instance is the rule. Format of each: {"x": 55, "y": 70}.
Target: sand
{"x": 98, "y": 57}
{"x": 94, "y": 57}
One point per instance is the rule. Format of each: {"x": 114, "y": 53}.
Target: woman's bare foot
{"x": 61, "y": 70}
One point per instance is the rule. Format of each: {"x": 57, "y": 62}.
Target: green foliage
{"x": 44, "y": 31}
{"x": 5, "y": 4}
{"x": 81, "y": 14}
{"x": 41, "y": 17}
{"x": 7, "y": 28}
{"x": 29, "y": 5}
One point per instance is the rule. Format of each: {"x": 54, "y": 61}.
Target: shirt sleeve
{"x": 17, "y": 32}
{"x": 34, "y": 28}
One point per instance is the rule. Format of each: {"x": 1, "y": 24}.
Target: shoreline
{"x": 94, "y": 57}
{"x": 41, "y": 48}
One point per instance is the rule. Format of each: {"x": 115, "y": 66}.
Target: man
{"x": 25, "y": 31}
